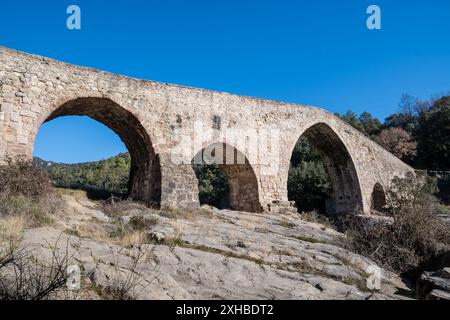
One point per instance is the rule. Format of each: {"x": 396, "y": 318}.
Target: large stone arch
{"x": 145, "y": 173}
{"x": 347, "y": 195}
{"x": 33, "y": 87}
{"x": 243, "y": 183}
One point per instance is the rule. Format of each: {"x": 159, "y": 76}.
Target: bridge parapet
{"x": 160, "y": 124}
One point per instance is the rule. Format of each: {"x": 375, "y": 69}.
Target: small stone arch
{"x": 347, "y": 196}
{"x": 145, "y": 173}
{"x": 378, "y": 198}
{"x": 243, "y": 190}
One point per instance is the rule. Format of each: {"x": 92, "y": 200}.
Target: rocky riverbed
{"x": 207, "y": 254}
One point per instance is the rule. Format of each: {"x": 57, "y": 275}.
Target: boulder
{"x": 432, "y": 284}
{"x": 438, "y": 295}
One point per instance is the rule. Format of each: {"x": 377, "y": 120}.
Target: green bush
{"x": 213, "y": 185}
{"x": 309, "y": 184}
{"x": 110, "y": 175}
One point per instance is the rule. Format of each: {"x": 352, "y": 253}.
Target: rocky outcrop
{"x": 434, "y": 285}
{"x": 213, "y": 254}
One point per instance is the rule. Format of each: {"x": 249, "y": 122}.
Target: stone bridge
{"x": 160, "y": 125}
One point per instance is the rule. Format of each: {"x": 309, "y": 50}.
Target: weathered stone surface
{"x": 432, "y": 281}
{"x": 438, "y": 295}
{"x": 219, "y": 254}
{"x": 154, "y": 120}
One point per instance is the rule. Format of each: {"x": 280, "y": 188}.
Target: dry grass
{"x": 315, "y": 217}
{"x": 133, "y": 239}
{"x": 186, "y": 214}
{"x": 77, "y": 194}
{"x": 27, "y": 198}
{"x": 116, "y": 209}
{"x": 11, "y": 228}
{"x": 415, "y": 236}
{"x": 36, "y": 212}
{"x": 134, "y": 232}
{"x": 90, "y": 231}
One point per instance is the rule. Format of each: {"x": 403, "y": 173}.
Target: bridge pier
{"x": 179, "y": 186}
{"x": 149, "y": 116}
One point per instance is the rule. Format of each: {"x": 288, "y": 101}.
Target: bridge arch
{"x": 378, "y": 198}
{"x": 242, "y": 192}
{"x": 347, "y": 195}
{"x": 145, "y": 172}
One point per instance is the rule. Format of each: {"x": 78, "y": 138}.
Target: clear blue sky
{"x": 310, "y": 52}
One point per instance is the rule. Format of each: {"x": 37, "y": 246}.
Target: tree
{"x": 409, "y": 109}
{"x": 407, "y": 105}
{"x": 371, "y": 126}
{"x": 309, "y": 184}
{"x": 422, "y": 106}
{"x": 399, "y": 120}
{"x": 304, "y": 152}
{"x": 110, "y": 175}
{"x": 398, "y": 142}
{"x": 212, "y": 184}
{"x": 365, "y": 123}
{"x": 352, "y": 119}
{"x": 433, "y": 136}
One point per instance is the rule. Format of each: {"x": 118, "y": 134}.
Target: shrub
{"x": 24, "y": 277}
{"x": 105, "y": 177}
{"x": 414, "y": 235}
{"x": 19, "y": 177}
{"x": 27, "y": 192}
{"x": 309, "y": 184}
{"x": 213, "y": 185}
{"x": 116, "y": 207}
{"x": 35, "y": 212}
{"x": 134, "y": 231}
{"x": 136, "y": 228}
{"x": 315, "y": 217}
{"x": 444, "y": 189}
{"x": 399, "y": 142}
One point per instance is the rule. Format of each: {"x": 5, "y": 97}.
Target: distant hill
{"x": 109, "y": 175}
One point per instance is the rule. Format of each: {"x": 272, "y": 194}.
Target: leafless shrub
{"x": 19, "y": 177}
{"x": 26, "y": 191}
{"x": 398, "y": 142}
{"x": 414, "y": 236}
{"x": 127, "y": 284}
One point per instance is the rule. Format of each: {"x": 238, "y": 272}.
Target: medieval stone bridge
{"x": 159, "y": 123}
